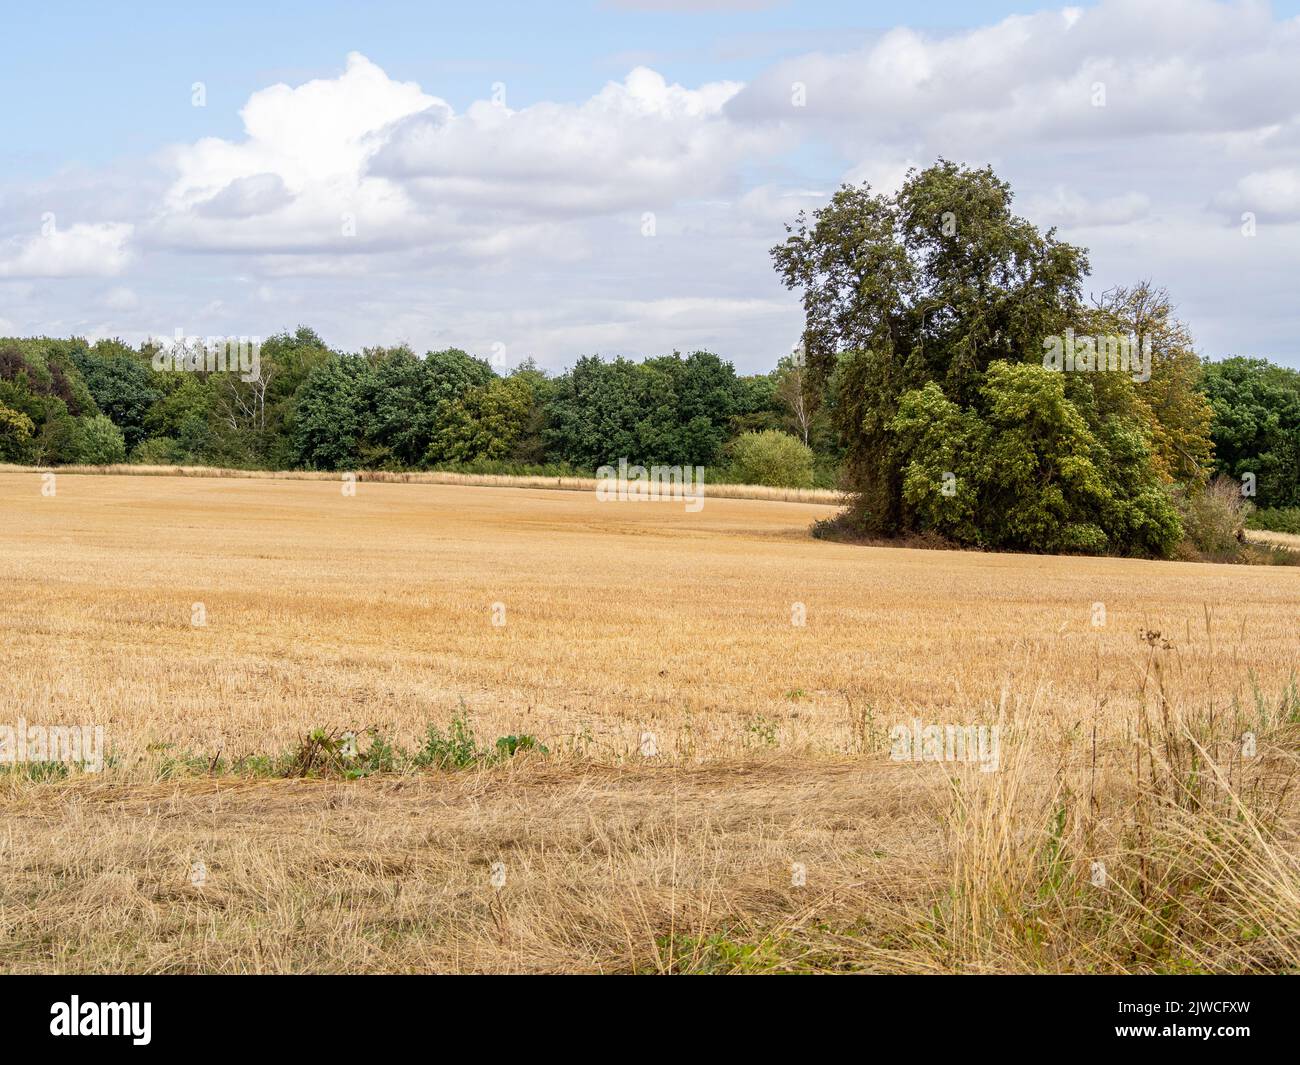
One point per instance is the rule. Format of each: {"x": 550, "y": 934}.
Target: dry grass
{"x": 477, "y": 480}
{"x": 324, "y": 611}
{"x": 1276, "y": 539}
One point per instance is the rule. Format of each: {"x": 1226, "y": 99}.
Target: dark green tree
{"x": 122, "y": 384}
{"x": 933, "y": 284}
{"x": 332, "y": 414}
{"x": 1256, "y": 426}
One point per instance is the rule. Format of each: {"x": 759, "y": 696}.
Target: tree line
{"x": 307, "y": 406}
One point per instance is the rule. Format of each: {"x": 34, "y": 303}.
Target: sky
{"x": 556, "y": 180}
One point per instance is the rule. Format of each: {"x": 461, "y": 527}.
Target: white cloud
{"x": 364, "y": 164}
{"x": 83, "y": 250}
{"x": 1269, "y": 194}
{"x": 296, "y": 182}
{"x": 245, "y": 197}
{"x": 1167, "y": 66}
{"x": 636, "y": 144}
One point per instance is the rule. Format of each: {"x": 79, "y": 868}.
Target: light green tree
{"x": 772, "y": 457}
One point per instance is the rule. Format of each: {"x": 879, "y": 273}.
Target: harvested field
{"x": 766, "y": 667}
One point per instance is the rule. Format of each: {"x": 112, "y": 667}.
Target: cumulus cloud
{"x": 245, "y": 197}
{"x": 363, "y": 163}
{"x": 637, "y": 143}
{"x": 82, "y": 250}
{"x": 1114, "y": 71}
{"x": 1269, "y": 194}
{"x": 296, "y": 182}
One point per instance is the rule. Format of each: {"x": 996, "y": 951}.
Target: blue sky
{"x": 500, "y": 161}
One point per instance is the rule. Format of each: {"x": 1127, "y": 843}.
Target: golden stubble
{"x": 380, "y": 609}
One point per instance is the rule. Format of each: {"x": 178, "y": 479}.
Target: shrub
{"x": 157, "y": 451}
{"x": 1213, "y": 518}
{"x": 772, "y": 458}
{"x": 99, "y": 441}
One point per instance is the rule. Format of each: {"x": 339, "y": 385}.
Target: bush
{"x": 1213, "y": 518}
{"x": 772, "y": 458}
{"x": 158, "y": 451}
{"x": 99, "y": 441}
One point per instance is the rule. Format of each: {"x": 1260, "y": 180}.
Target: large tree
{"x": 933, "y": 283}
{"x": 332, "y": 414}
{"x": 122, "y": 385}
{"x": 930, "y": 311}
{"x": 1022, "y": 468}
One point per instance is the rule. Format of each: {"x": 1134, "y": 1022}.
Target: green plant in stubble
{"x": 762, "y": 730}
{"x": 454, "y": 749}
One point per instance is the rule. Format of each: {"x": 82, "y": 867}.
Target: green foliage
{"x": 761, "y": 730}
{"x": 1170, "y": 405}
{"x": 721, "y": 954}
{"x": 487, "y": 423}
{"x": 455, "y": 749}
{"x": 355, "y": 754}
{"x": 771, "y": 457}
{"x": 507, "y": 747}
{"x": 45, "y": 367}
{"x": 1256, "y": 426}
{"x": 1275, "y": 519}
{"x": 933, "y": 284}
{"x": 36, "y": 772}
{"x": 99, "y": 442}
{"x": 158, "y": 451}
{"x": 39, "y": 380}
{"x": 757, "y": 405}
{"x": 410, "y": 392}
{"x": 184, "y": 409}
{"x": 332, "y": 414}
{"x": 16, "y": 430}
{"x": 506, "y": 468}
{"x": 926, "y": 313}
{"x": 1022, "y": 469}
{"x": 666, "y": 411}
{"x": 122, "y": 385}
{"x": 324, "y": 752}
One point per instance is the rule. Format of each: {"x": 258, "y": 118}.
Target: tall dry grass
{"x": 479, "y": 480}
{"x": 1275, "y": 539}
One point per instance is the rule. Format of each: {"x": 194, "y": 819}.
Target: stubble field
{"x": 715, "y": 693}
